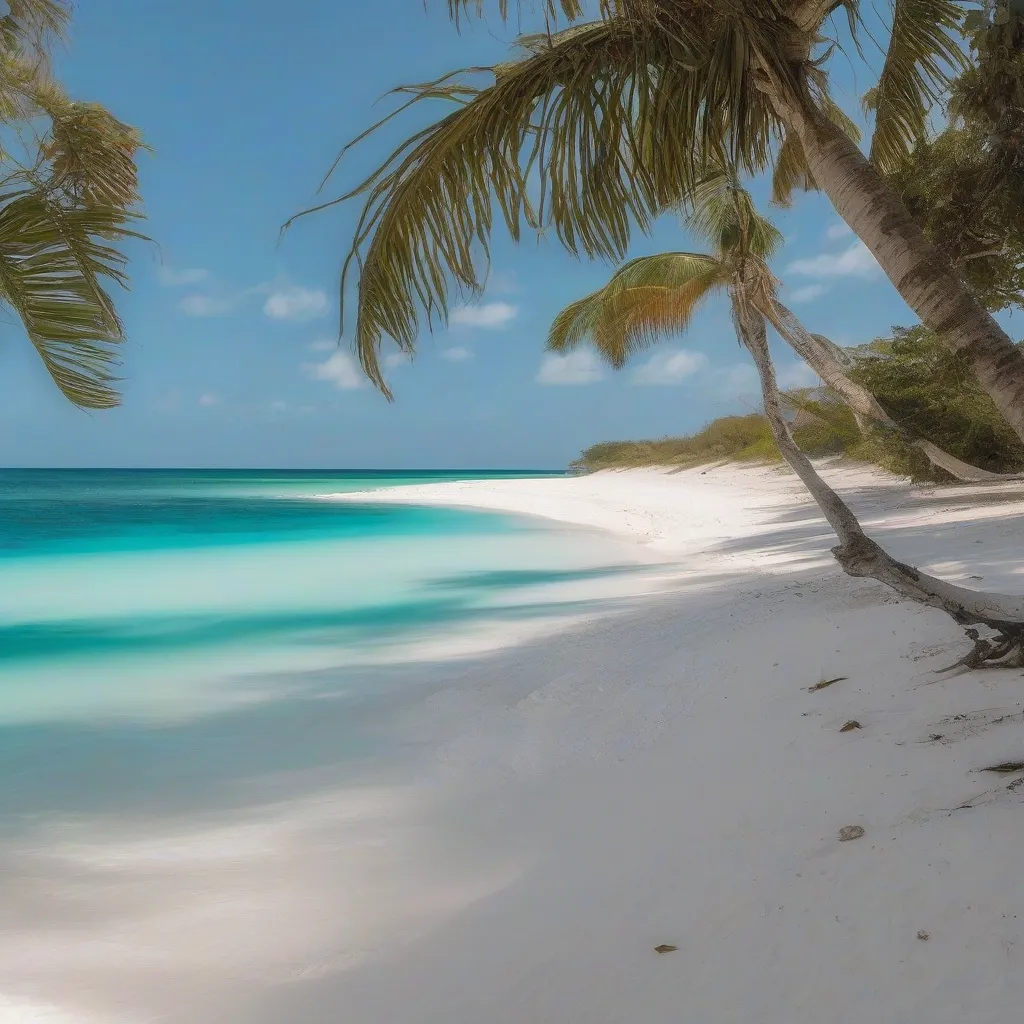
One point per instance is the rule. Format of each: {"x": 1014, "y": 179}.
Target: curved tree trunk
{"x": 857, "y": 553}
{"x": 919, "y": 272}
{"x": 822, "y": 356}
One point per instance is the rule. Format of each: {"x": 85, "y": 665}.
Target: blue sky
{"x": 231, "y": 358}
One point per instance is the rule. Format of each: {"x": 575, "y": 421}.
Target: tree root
{"x": 1004, "y": 650}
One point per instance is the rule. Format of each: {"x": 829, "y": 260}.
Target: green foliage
{"x": 934, "y": 394}
{"x": 965, "y": 186}
{"x": 924, "y": 387}
{"x": 68, "y": 186}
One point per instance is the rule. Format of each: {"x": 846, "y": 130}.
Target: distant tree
{"x": 68, "y": 196}
{"x": 933, "y": 393}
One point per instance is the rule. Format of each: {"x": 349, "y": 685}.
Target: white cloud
{"x": 209, "y": 400}
{"x": 796, "y": 375}
{"x": 205, "y": 305}
{"x": 808, "y": 293}
{"x": 323, "y": 345}
{"x": 840, "y": 229}
{"x": 339, "y": 369}
{"x": 395, "y": 359}
{"x": 854, "y": 261}
{"x": 278, "y": 405}
{"x": 576, "y": 368}
{"x": 171, "y": 278}
{"x": 456, "y": 354}
{"x": 491, "y": 315}
{"x": 295, "y": 303}
{"x": 669, "y": 367}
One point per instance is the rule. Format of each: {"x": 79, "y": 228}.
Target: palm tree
{"x": 67, "y": 197}
{"x": 656, "y": 295}
{"x": 618, "y": 117}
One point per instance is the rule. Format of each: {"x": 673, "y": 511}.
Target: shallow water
{"x": 156, "y": 594}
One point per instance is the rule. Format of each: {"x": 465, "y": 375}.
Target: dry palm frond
{"x": 53, "y": 261}
{"x": 92, "y": 154}
{"x": 29, "y": 26}
{"x": 924, "y": 50}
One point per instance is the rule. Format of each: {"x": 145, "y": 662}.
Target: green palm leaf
{"x": 924, "y": 50}
{"x": 53, "y": 261}
{"x": 647, "y": 300}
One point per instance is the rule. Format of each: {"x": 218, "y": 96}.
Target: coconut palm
{"x": 617, "y": 118}
{"x": 654, "y": 297}
{"x": 68, "y": 188}
{"x": 657, "y": 295}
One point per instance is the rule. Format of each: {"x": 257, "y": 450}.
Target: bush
{"x": 924, "y": 387}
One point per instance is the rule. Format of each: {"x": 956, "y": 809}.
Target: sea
{"x": 216, "y": 690}
{"x": 169, "y": 594}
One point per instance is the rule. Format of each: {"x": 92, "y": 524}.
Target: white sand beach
{"x": 654, "y": 772}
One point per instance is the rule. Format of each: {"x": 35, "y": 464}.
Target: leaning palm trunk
{"x": 919, "y": 272}
{"x": 820, "y": 355}
{"x": 859, "y": 555}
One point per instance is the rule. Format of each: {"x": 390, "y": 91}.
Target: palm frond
{"x": 92, "y": 153}
{"x": 924, "y": 51}
{"x": 723, "y": 213}
{"x": 591, "y": 134}
{"x": 791, "y": 171}
{"x": 53, "y": 262}
{"x": 647, "y": 300}
{"x": 30, "y": 25}
{"x": 569, "y": 9}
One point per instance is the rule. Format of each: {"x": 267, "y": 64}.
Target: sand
{"x": 656, "y": 772}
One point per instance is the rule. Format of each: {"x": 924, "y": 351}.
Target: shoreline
{"x": 656, "y": 771}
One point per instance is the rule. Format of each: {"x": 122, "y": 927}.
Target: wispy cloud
{"x": 209, "y": 400}
{"x": 171, "y": 278}
{"x": 490, "y": 315}
{"x": 339, "y": 369}
{"x": 840, "y": 229}
{"x": 456, "y": 354}
{"x": 206, "y": 305}
{"x": 672, "y": 366}
{"x": 323, "y": 345}
{"x": 854, "y": 261}
{"x": 580, "y": 367}
{"x": 295, "y": 303}
{"x": 278, "y": 405}
{"x": 808, "y": 293}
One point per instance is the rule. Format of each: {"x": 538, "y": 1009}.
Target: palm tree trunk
{"x": 820, "y": 355}
{"x": 919, "y": 272}
{"x": 857, "y": 553}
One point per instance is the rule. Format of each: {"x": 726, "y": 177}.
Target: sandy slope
{"x": 656, "y": 774}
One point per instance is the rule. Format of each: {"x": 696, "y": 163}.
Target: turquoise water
{"x": 176, "y": 594}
